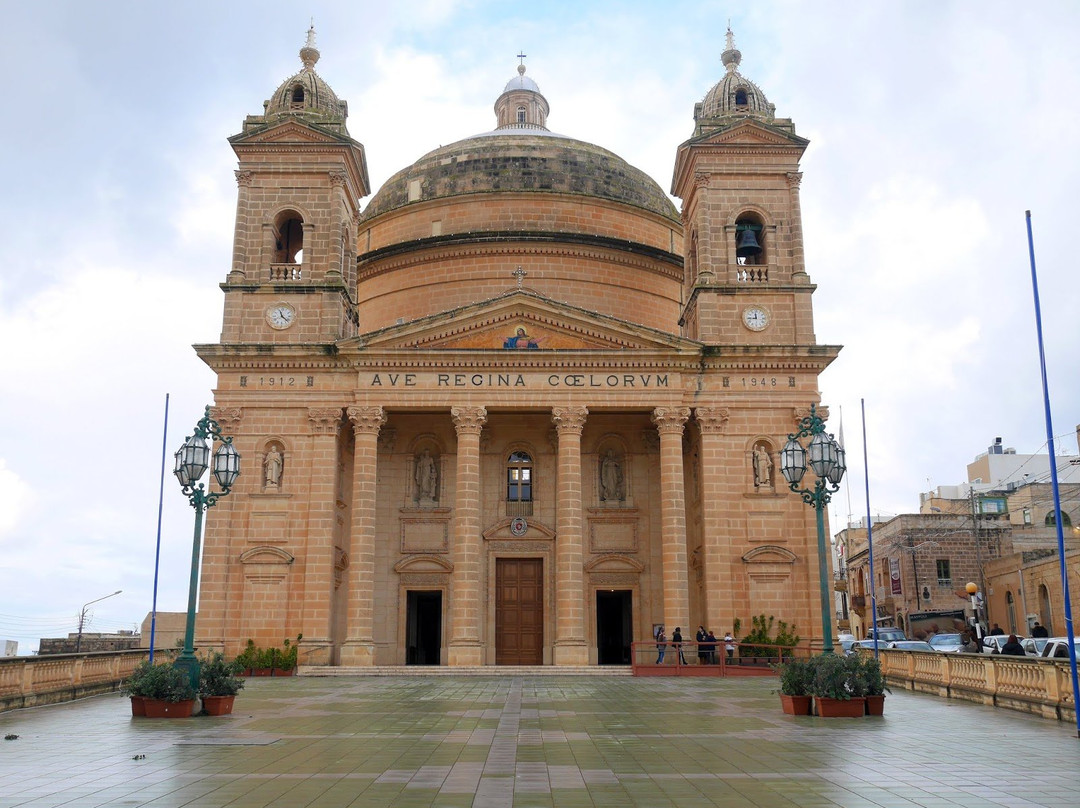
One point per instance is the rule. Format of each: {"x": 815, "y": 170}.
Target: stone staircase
{"x": 479, "y": 670}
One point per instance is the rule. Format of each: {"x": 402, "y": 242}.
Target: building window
{"x": 740, "y": 97}
{"x": 297, "y": 97}
{"x": 944, "y": 573}
{"x": 521, "y": 114}
{"x": 519, "y": 484}
{"x": 1051, "y": 521}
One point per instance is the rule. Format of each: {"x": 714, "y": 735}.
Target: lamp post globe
{"x": 193, "y": 458}
{"x": 827, "y": 460}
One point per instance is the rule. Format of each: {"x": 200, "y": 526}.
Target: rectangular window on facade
{"x": 944, "y": 574}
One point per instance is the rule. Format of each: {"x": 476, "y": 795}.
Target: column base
{"x": 571, "y": 653}
{"x": 358, "y": 654}
{"x": 465, "y": 654}
{"x": 317, "y": 651}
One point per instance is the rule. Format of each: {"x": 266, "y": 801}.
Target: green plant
{"x": 831, "y": 678}
{"x": 875, "y": 679}
{"x": 218, "y": 677}
{"x": 796, "y": 677}
{"x": 162, "y": 682}
{"x": 760, "y": 642}
{"x": 249, "y": 656}
{"x": 290, "y": 655}
{"x": 856, "y": 683}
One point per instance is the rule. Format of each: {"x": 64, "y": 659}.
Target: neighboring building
{"x": 168, "y": 629}
{"x": 11, "y": 648}
{"x": 519, "y": 409}
{"x": 89, "y": 641}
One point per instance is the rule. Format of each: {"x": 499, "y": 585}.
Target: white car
{"x": 992, "y": 644}
{"x": 1058, "y": 648}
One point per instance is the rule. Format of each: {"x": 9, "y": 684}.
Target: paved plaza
{"x": 496, "y": 742}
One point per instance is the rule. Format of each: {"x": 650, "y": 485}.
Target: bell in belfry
{"x": 747, "y": 245}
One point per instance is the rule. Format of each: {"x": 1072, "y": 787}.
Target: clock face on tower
{"x": 756, "y": 318}
{"x": 281, "y": 315}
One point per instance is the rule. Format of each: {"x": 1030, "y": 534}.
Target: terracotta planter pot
{"x": 218, "y": 705}
{"x": 840, "y": 708}
{"x": 169, "y": 709}
{"x": 875, "y": 705}
{"x": 138, "y": 706}
{"x": 262, "y": 671}
{"x": 795, "y": 705}
{"x": 280, "y": 672}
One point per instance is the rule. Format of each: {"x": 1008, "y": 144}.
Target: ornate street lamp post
{"x": 192, "y": 460}
{"x": 827, "y": 462}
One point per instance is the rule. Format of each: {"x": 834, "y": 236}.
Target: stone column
{"x": 242, "y": 231}
{"x": 669, "y": 423}
{"x": 316, "y": 603}
{"x": 359, "y": 647}
{"x": 716, "y": 540}
{"x": 798, "y": 263}
{"x": 466, "y": 604}
{"x": 570, "y": 648}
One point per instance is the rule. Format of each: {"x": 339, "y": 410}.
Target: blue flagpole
{"x": 157, "y": 549}
{"x": 1054, "y": 476}
{"x": 869, "y": 531}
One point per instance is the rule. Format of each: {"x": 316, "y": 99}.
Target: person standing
{"x": 702, "y": 645}
{"x": 1039, "y": 630}
{"x": 712, "y": 648}
{"x": 676, "y": 642}
{"x": 661, "y": 645}
{"x": 996, "y": 630}
{"x": 1012, "y": 647}
{"x": 729, "y": 645}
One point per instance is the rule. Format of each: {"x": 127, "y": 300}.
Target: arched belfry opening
{"x": 288, "y": 238}
{"x": 750, "y": 240}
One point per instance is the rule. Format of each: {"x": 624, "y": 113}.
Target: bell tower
{"x": 738, "y": 177}
{"x": 300, "y": 177}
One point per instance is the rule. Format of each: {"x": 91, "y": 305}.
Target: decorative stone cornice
{"x": 712, "y": 420}
{"x": 468, "y": 420}
{"x": 569, "y": 419}
{"x": 367, "y": 420}
{"x": 670, "y": 420}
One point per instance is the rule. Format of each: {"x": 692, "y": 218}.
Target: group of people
{"x": 706, "y": 645}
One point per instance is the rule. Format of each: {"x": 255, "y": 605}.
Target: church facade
{"x": 518, "y": 408}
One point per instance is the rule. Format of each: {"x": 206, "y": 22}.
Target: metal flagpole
{"x": 157, "y": 550}
{"x": 1054, "y": 475}
{"x": 869, "y": 530}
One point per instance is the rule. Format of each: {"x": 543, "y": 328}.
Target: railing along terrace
{"x": 282, "y": 273}
{"x": 1027, "y": 684}
{"x": 710, "y": 659}
{"x": 752, "y": 273}
{"x": 28, "y": 681}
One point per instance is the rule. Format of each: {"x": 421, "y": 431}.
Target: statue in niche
{"x": 763, "y": 467}
{"x": 611, "y": 478}
{"x": 272, "y": 468}
{"x": 426, "y": 476}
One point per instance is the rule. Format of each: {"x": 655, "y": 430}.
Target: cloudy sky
{"x": 933, "y": 126}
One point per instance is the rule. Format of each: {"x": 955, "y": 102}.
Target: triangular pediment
{"x": 288, "y": 131}
{"x": 749, "y": 133}
{"x": 523, "y": 321}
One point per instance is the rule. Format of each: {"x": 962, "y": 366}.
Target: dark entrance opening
{"x": 614, "y": 626}
{"x": 423, "y": 628}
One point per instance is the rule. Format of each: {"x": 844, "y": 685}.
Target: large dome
{"x": 521, "y": 160}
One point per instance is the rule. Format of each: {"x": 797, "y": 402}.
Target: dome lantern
{"x": 521, "y": 106}
{"x": 734, "y": 96}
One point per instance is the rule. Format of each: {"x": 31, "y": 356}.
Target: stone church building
{"x": 518, "y": 408}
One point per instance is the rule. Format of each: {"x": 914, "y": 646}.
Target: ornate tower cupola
{"x": 521, "y": 106}
{"x": 301, "y": 178}
{"x": 738, "y": 177}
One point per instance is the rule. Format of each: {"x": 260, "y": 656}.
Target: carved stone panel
{"x": 429, "y": 534}
{"x": 613, "y": 535}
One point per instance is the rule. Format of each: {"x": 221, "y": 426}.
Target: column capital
{"x": 794, "y": 179}
{"x": 228, "y": 418}
{"x": 670, "y": 419}
{"x": 244, "y": 178}
{"x": 712, "y": 420}
{"x": 569, "y": 419}
{"x": 804, "y": 412}
{"x": 367, "y": 419}
{"x": 338, "y": 179}
{"x": 468, "y": 420}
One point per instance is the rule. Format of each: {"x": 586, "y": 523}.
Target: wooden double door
{"x": 519, "y": 611}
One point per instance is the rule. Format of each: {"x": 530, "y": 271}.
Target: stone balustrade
{"x": 28, "y": 681}
{"x": 1039, "y": 686}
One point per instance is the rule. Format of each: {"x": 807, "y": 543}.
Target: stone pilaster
{"x": 466, "y": 602}
{"x": 719, "y": 604}
{"x": 244, "y": 180}
{"x": 359, "y": 647}
{"x": 798, "y": 262}
{"x": 670, "y": 422}
{"x": 570, "y": 648}
{"x": 315, "y": 606}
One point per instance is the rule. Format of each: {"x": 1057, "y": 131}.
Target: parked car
{"x": 867, "y": 644}
{"x": 1033, "y": 645}
{"x": 993, "y": 643}
{"x": 911, "y": 645}
{"x": 948, "y": 643}
{"x": 886, "y": 634}
{"x": 1057, "y": 648}
{"x": 845, "y": 642}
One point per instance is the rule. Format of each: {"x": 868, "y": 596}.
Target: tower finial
{"x": 309, "y": 54}
{"x": 731, "y": 55}
{"x": 521, "y": 65}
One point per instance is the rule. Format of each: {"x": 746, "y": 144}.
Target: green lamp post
{"x": 827, "y": 461}
{"x": 192, "y": 460}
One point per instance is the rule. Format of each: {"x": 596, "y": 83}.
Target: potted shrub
{"x": 833, "y": 689}
{"x": 247, "y": 658}
{"x": 875, "y": 686}
{"x": 219, "y": 684}
{"x": 164, "y": 691}
{"x": 760, "y": 647}
{"x": 796, "y": 679}
{"x": 286, "y": 658}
